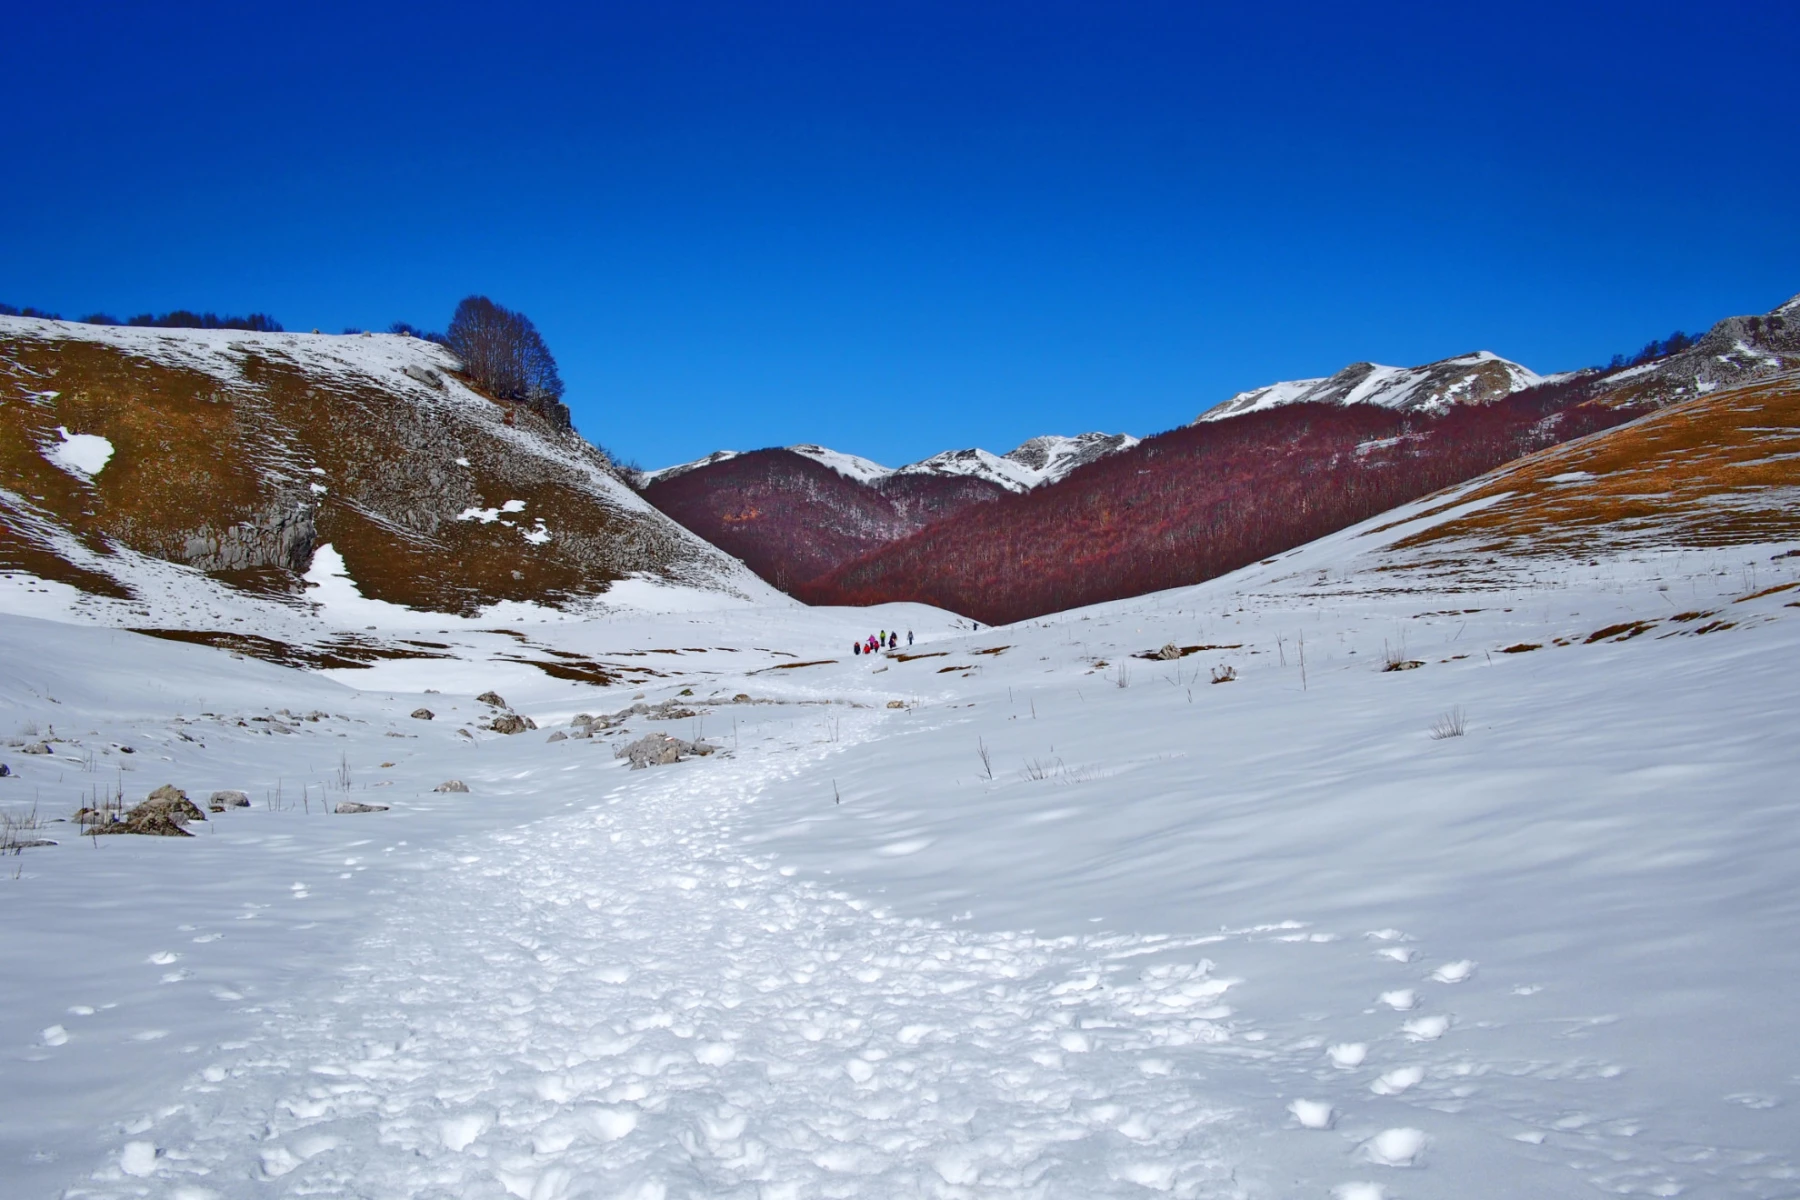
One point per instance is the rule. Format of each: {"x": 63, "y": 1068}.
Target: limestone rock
{"x": 1169, "y": 651}
{"x": 492, "y": 698}
{"x": 558, "y": 736}
{"x": 172, "y": 800}
{"x": 659, "y": 749}
{"x": 220, "y": 801}
{"x": 511, "y": 723}
{"x": 163, "y": 813}
{"x": 451, "y": 785}
{"x": 422, "y": 714}
{"x": 352, "y": 806}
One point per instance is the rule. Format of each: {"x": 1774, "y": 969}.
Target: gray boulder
{"x": 422, "y": 714}
{"x": 510, "y": 722}
{"x": 35, "y": 748}
{"x": 451, "y": 785}
{"x": 351, "y": 806}
{"x": 220, "y": 801}
{"x": 558, "y": 736}
{"x": 659, "y": 749}
{"x": 492, "y": 698}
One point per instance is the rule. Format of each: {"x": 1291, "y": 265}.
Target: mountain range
{"x": 157, "y": 470}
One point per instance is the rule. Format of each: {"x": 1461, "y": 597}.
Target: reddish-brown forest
{"x": 1198, "y": 502}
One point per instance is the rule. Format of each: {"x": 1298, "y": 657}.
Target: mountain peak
{"x": 1478, "y": 377}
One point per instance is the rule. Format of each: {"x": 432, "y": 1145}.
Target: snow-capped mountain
{"x": 1038, "y": 461}
{"x": 134, "y": 459}
{"x": 1478, "y": 378}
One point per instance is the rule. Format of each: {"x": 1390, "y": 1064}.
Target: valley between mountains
{"x": 1382, "y": 793}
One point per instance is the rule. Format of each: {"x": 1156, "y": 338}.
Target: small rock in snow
{"x": 558, "y": 736}
{"x": 451, "y": 785}
{"x": 492, "y": 698}
{"x": 352, "y": 806}
{"x": 422, "y": 714}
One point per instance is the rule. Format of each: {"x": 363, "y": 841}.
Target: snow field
{"x": 1262, "y": 938}
{"x": 619, "y": 1000}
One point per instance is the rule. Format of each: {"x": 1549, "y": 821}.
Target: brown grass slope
{"x": 1722, "y": 469}
{"x": 219, "y": 441}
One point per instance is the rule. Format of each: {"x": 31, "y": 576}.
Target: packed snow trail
{"x": 616, "y": 1003}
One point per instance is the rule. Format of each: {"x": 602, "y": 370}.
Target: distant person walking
{"x": 856, "y": 647}
{"x": 909, "y": 639}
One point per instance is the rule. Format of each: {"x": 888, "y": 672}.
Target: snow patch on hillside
{"x": 81, "y": 454}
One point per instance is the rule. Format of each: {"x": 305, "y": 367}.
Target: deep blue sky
{"x": 900, "y": 227}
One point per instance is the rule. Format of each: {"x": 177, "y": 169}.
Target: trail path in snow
{"x": 620, "y": 1003}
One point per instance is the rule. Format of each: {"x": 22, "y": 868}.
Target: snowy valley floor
{"x": 1051, "y": 929}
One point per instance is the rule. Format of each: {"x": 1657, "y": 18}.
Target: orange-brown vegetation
{"x": 216, "y": 468}
{"x": 1719, "y": 470}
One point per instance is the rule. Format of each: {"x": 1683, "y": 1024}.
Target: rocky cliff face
{"x": 238, "y": 454}
{"x": 1736, "y": 352}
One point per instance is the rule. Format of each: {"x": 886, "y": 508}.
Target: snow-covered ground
{"x": 1050, "y": 928}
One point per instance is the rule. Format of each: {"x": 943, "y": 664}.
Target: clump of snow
{"x": 1312, "y": 1114}
{"x": 1395, "y": 1147}
{"x": 81, "y": 454}
{"x": 487, "y": 516}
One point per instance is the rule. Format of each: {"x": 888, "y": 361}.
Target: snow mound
{"x": 82, "y": 454}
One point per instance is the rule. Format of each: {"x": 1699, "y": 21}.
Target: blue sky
{"x": 902, "y": 227}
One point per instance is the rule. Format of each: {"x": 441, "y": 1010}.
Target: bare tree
{"x": 506, "y": 356}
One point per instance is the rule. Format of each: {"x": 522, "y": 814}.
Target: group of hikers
{"x": 887, "y": 639}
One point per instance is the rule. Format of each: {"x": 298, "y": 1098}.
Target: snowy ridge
{"x": 1038, "y": 461}
{"x": 862, "y": 470}
{"x": 1478, "y": 378}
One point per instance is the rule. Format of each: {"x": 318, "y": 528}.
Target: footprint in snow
{"x": 1398, "y": 1080}
{"x": 1426, "y": 1029}
{"x": 1346, "y": 1055}
{"x": 1454, "y": 972}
